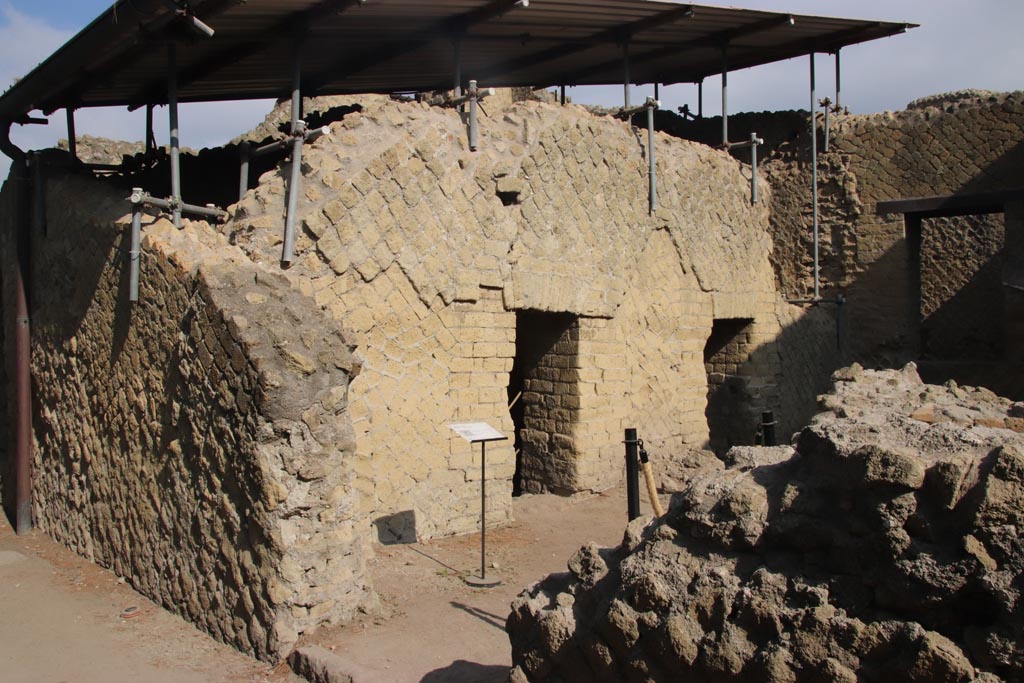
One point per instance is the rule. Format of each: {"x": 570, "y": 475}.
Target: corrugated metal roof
{"x": 383, "y": 46}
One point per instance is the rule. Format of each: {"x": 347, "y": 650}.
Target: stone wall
{"x": 427, "y": 253}
{"x": 195, "y": 442}
{"x": 958, "y": 143}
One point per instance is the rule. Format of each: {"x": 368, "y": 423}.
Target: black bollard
{"x": 768, "y": 428}
{"x": 632, "y": 476}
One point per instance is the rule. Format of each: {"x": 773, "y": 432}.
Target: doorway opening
{"x": 731, "y": 414}
{"x": 543, "y": 391}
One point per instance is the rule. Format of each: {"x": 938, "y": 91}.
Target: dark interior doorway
{"x": 544, "y": 394}
{"x": 731, "y": 414}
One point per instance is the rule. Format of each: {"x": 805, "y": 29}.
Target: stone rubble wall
{"x": 424, "y": 251}
{"x": 965, "y": 142}
{"x": 196, "y": 442}
{"x": 883, "y": 546}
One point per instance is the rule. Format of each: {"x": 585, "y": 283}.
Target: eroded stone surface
{"x": 885, "y": 548}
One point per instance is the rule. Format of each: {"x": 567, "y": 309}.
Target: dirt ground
{"x": 65, "y": 620}
{"x": 437, "y": 629}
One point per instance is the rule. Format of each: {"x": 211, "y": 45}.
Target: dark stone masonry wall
{"x": 957, "y": 143}
{"x": 195, "y": 442}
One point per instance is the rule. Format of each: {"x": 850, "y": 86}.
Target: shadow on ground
{"x": 461, "y": 671}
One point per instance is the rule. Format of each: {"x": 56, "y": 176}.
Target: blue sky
{"x": 959, "y": 45}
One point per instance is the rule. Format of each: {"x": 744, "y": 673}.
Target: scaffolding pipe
{"x": 626, "y": 75}
{"x": 298, "y": 137}
{"x": 657, "y": 92}
{"x": 826, "y": 104}
{"x": 457, "y": 88}
{"x": 209, "y": 211}
{"x": 72, "y": 138}
{"x": 838, "y": 81}
{"x": 753, "y": 144}
{"x": 652, "y": 178}
{"x": 150, "y": 137}
{"x": 814, "y": 179}
{"x": 562, "y": 96}
{"x": 725, "y": 96}
{"x": 136, "y": 239}
{"x": 20, "y": 508}
{"x": 700, "y": 99}
{"x": 245, "y": 154}
{"x": 172, "y": 115}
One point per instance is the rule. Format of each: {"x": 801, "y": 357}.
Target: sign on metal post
{"x": 481, "y": 433}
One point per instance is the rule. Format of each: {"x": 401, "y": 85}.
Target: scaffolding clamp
{"x": 139, "y": 199}
{"x": 474, "y": 96}
{"x": 753, "y": 143}
{"x": 626, "y": 114}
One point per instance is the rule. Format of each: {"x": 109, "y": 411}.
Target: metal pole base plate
{"x": 478, "y": 582}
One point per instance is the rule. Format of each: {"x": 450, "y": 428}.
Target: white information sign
{"x": 475, "y": 432}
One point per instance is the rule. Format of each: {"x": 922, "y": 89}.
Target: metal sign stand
{"x": 481, "y": 433}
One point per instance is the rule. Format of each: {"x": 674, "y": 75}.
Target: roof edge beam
{"x": 51, "y": 102}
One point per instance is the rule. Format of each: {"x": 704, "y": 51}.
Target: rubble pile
{"x": 884, "y": 546}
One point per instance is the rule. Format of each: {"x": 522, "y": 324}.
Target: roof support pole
{"x": 725, "y": 96}
{"x": 561, "y": 97}
{"x": 657, "y": 91}
{"x": 150, "y": 136}
{"x": 72, "y": 141}
{"x": 298, "y": 138}
{"x": 172, "y": 115}
{"x": 839, "y": 87}
{"x": 457, "y": 88}
{"x": 18, "y": 498}
{"x": 814, "y": 178}
{"x": 626, "y": 76}
{"x": 245, "y": 153}
{"x": 652, "y": 177}
{"x": 700, "y": 99}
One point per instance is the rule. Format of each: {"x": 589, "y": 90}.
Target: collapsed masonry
{"x": 885, "y": 546}
{"x": 232, "y": 442}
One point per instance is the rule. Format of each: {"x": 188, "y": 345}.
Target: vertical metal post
{"x": 473, "y": 122}
{"x": 626, "y": 76}
{"x": 457, "y": 87}
{"x": 298, "y": 137}
{"x": 632, "y": 476}
{"x": 652, "y": 176}
{"x": 768, "y": 428}
{"x": 700, "y": 99}
{"x": 150, "y": 137}
{"x": 483, "y": 510}
{"x": 133, "y": 253}
{"x": 827, "y": 105}
{"x": 22, "y": 461}
{"x": 172, "y": 115}
{"x": 839, "y": 87}
{"x": 814, "y": 177}
{"x": 245, "y": 152}
{"x": 753, "y": 167}
{"x": 725, "y": 96}
{"x": 562, "y": 96}
{"x": 657, "y": 91}
{"x": 72, "y": 138}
